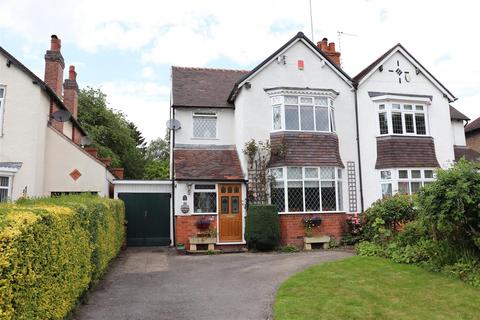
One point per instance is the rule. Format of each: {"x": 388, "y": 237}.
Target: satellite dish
{"x": 85, "y": 141}
{"x": 173, "y": 124}
{"x": 61, "y": 115}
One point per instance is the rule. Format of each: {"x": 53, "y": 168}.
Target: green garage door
{"x": 148, "y": 218}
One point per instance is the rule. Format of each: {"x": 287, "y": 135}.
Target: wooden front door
{"x": 230, "y": 212}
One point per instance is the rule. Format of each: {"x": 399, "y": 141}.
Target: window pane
{"x": 295, "y": 196}
{"x": 311, "y": 173}
{"x": 340, "y": 196}
{"x": 2, "y": 90}
{"x": 224, "y": 204}
{"x": 332, "y": 120}
{"x": 205, "y": 202}
{"x": 3, "y": 195}
{"x": 321, "y": 117}
{"x": 204, "y": 127}
{"x": 397, "y": 122}
{"x": 312, "y": 196}
{"x": 381, "y": 107}
{"x": 235, "y": 204}
{"x": 278, "y": 196}
{"x": 294, "y": 173}
{"x": 404, "y": 187}
{"x": 403, "y": 174}
{"x": 420, "y": 123}
{"x": 416, "y": 174}
{"x": 339, "y": 171}
{"x": 419, "y": 108}
{"x": 204, "y": 187}
{"x": 416, "y": 186}
{"x": 409, "y": 128}
{"x": 3, "y": 181}
{"x": 277, "y": 173}
{"x": 321, "y": 101}
{"x": 328, "y": 196}
{"x": 428, "y": 174}
{"x": 306, "y": 116}
{"x": 291, "y": 100}
{"x": 382, "y": 118}
{"x": 276, "y": 100}
{"x": 396, "y": 106}
{"x": 306, "y": 100}
{"x": 277, "y": 118}
{"x": 386, "y": 190}
{"x": 327, "y": 173}
{"x": 385, "y": 174}
{"x": 408, "y": 107}
{"x": 291, "y": 117}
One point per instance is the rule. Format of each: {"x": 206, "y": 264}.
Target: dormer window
{"x": 302, "y": 113}
{"x": 205, "y": 125}
{"x": 402, "y": 118}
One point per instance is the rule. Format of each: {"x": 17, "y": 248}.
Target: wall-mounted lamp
{"x": 380, "y": 68}
{"x": 248, "y": 85}
{"x": 9, "y": 63}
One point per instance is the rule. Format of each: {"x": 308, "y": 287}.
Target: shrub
{"x": 262, "y": 230}
{"x": 368, "y": 249}
{"x": 51, "y": 250}
{"x": 386, "y": 216}
{"x": 353, "y": 230}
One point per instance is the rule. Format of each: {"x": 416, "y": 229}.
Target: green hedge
{"x": 262, "y": 230}
{"x": 52, "y": 250}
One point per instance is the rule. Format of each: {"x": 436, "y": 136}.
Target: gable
{"x": 397, "y": 65}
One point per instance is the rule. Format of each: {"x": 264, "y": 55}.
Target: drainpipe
{"x": 172, "y": 173}
{"x": 355, "y": 86}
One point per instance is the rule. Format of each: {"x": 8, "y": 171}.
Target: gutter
{"x": 355, "y": 87}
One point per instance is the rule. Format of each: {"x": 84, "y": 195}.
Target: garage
{"x": 147, "y": 211}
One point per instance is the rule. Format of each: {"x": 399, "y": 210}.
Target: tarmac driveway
{"x": 157, "y": 284}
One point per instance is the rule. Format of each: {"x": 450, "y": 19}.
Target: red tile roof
{"x": 405, "y": 152}
{"x": 466, "y": 152}
{"x": 473, "y": 126}
{"x": 457, "y": 115}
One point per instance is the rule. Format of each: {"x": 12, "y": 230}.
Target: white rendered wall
{"x": 438, "y": 119}
{"x": 24, "y": 129}
{"x": 253, "y": 110}
{"x": 458, "y": 133}
{"x": 68, "y": 129}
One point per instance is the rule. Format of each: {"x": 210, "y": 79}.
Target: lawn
{"x": 374, "y": 288}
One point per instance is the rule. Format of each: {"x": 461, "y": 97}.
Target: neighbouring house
{"x": 42, "y": 154}
{"x": 472, "y": 135}
{"x": 347, "y": 141}
{"x": 463, "y": 147}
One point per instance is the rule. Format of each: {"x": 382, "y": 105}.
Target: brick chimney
{"x": 329, "y": 50}
{"x": 54, "y": 66}
{"x": 70, "y": 92}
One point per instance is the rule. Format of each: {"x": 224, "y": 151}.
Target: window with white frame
{"x": 204, "y": 198}
{"x": 302, "y": 113}
{"x": 4, "y": 188}
{"x": 2, "y": 107}
{"x": 205, "y": 125}
{"x": 307, "y": 189}
{"x": 402, "y": 118}
{"x": 404, "y": 181}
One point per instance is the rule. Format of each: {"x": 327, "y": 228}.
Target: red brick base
{"x": 292, "y": 230}
{"x": 185, "y": 227}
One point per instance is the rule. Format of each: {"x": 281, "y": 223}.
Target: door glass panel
{"x": 224, "y": 204}
{"x": 235, "y": 204}
{"x": 236, "y": 189}
{"x": 224, "y": 189}
{"x": 229, "y": 189}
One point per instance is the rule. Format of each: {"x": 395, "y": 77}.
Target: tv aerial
{"x": 61, "y": 115}
{"x": 86, "y": 141}
{"x": 173, "y": 124}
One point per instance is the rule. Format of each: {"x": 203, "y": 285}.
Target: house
{"x": 41, "y": 152}
{"x": 472, "y": 135}
{"x": 347, "y": 141}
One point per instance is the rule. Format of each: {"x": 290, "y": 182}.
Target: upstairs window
{"x": 405, "y": 119}
{"x": 205, "y": 125}
{"x": 302, "y": 113}
{"x": 2, "y": 108}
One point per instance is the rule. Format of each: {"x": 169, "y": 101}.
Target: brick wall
{"x": 185, "y": 227}
{"x": 473, "y": 140}
{"x": 292, "y": 230}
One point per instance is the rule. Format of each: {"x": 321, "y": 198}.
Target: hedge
{"x": 52, "y": 250}
{"x": 262, "y": 230}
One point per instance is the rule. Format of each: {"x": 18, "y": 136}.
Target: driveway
{"x": 157, "y": 284}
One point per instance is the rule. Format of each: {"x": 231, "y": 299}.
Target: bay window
{"x": 400, "y": 118}
{"x": 302, "y": 113}
{"x": 307, "y": 189}
{"x": 404, "y": 181}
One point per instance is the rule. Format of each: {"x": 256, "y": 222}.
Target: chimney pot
{"x": 72, "y": 75}
{"x": 324, "y": 44}
{"x": 55, "y": 43}
{"x": 331, "y": 47}
{"x": 329, "y": 50}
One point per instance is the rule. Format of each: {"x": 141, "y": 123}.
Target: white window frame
{"x": 9, "y": 186}
{"x": 214, "y": 190}
{"x": 395, "y": 178}
{"x": 388, "y": 110}
{"x": 208, "y": 114}
{"x": 278, "y": 100}
{"x": 283, "y": 181}
{"x": 2, "y": 107}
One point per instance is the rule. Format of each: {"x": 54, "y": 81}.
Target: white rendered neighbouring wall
{"x": 253, "y": 109}
{"x": 438, "y": 118}
{"x": 458, "y": 132}
{"x": 24, "y": 132}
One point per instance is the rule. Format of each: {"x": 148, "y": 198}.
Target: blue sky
{"x": 127, "y": 49}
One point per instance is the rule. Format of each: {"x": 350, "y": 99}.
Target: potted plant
{"x": 310, "y": 223}
{"x": 203, "y": 223}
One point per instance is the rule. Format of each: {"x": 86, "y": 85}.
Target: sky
{"x": 127, "y": 48}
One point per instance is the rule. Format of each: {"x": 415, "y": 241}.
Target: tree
{"x": 111, "y": 132}
{"x": 157, "y": 155}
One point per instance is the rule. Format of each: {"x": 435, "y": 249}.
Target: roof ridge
{"x": 210, "y": 69}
